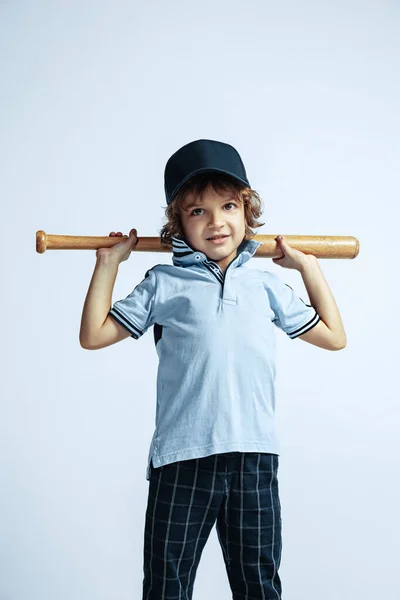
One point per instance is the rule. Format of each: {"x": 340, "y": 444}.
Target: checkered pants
{"x": 236, "y": 490}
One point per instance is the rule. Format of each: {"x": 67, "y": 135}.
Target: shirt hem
{"x": 202, "y": 451}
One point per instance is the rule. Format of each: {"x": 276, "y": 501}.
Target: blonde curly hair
{"x": 198, "y": 185}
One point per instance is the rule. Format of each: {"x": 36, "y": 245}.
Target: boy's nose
{"x": 216, "y": 219}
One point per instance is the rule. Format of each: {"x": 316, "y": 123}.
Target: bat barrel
{"x": 333, "y": 246}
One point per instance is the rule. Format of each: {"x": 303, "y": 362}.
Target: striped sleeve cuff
{"x": 306, "y": 327}
{"x": 122, "y": 320}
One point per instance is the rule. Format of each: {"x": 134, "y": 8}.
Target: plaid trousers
{"x": 236, "y": 490}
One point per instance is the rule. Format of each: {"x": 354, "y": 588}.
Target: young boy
{"x": 214, "y": 454}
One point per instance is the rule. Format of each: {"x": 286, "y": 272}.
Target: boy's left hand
{"x": 292, "y": 258}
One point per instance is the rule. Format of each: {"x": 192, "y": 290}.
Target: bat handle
{"x": 48, "y": 241}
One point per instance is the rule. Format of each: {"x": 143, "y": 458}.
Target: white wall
{"x": 95, "y": 96}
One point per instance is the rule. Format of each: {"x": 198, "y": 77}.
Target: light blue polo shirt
{"x": 214, "y": 334}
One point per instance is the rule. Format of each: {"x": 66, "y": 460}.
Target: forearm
{"x": 321, "y": 297}
{"x": 98, "y": 299}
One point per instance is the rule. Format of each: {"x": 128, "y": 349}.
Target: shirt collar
{"x": 183, "y": 255}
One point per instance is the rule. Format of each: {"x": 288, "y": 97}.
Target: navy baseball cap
{"x": 201, "y": 156}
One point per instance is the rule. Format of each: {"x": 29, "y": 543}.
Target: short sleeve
{"x": 292, "y": 314}
{"x": 136, "y": 311}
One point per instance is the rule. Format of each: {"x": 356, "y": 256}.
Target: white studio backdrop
{"x": 95, "y": 96}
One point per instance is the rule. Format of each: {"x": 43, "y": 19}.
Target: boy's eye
{"x": 227, "y": 204}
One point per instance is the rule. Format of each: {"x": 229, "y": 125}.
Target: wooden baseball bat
{"x": 321, "y": 246}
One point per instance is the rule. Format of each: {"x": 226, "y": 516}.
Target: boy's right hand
{"x": 121, "y": 251}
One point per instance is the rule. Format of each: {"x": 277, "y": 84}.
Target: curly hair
{"x": 198, "y": 185}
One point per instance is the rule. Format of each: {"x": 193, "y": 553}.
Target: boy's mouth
{"x": 218, "y": 239}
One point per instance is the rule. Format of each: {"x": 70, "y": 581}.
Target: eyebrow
{"x": 225, "y": 201}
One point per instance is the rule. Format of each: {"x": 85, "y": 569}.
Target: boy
{"x": 214, "y": 453}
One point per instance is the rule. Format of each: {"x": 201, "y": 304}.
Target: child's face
{"x": 216, "y": 214}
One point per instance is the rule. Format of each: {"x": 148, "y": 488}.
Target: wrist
{"x": 309, "y": 262}
{"x": 105, "y": 260}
